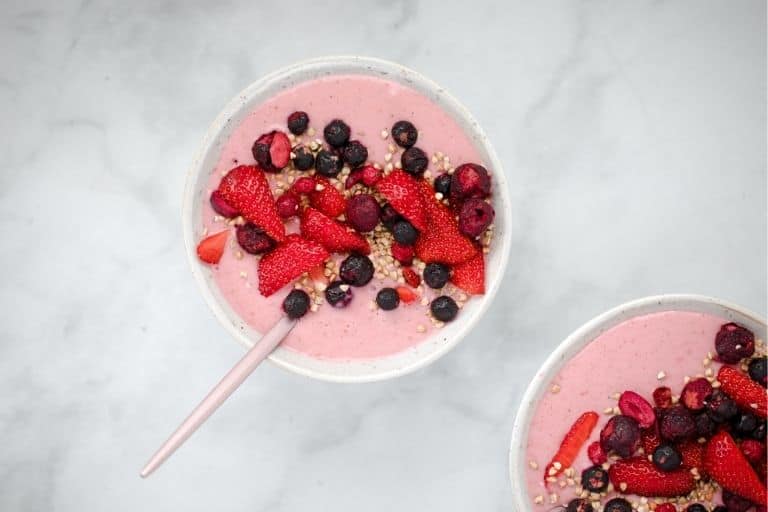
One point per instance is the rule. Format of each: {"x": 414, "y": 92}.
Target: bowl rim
{"x": 575, "y": 341}
{"x": 233, "y": 106}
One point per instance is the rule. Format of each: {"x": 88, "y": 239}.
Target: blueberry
{"x": 436, "y": 275}
{"x": 355, "y": 154}
{"x": 404, "y": 232}
{"x": 444, "y": 308}
{"x": 758, "y": 370}
{"x": 338, "y": 294}
{"x": 296, "y": 304}
{"x": 442, "y": 184}
{"x": 720, "y": 508}
{"x": 304, "y": 159}
{"x": 579, "y": 505}
{"x": 328, "y": 163}
{"x": 721, "y": 407}
{"x": 759, "y": 432}
{"x": 298, "y": 122}
{"x": 404, "y": 133}
{"x": 744, "y": 424}
{"x": 414, "y": 161}
{"x": 617, "y": 505}
{"x": 356, "y": 270}
{"x": 336, "y": 133}
{"x": 705, "y": 427}
{"x": 389, "y": 216}
{"x": 696, "y": 507}
{"x": 620, "y": 435}
{"x": 387, "y": 299}
{"x": 666, "y": 458}
{"x": 594, "y": 479}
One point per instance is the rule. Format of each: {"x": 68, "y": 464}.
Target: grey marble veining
{"x": 634, "y": 137}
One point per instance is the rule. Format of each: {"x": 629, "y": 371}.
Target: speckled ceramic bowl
{"x": 352, "y": 370}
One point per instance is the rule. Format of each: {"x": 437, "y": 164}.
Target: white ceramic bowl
{"x": 584, "y": 335}
{"x": 344, "y": 370}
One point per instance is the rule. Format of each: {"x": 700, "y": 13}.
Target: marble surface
{"x": 634, "y": 137}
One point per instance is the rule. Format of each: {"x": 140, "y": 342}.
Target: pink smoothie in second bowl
{"x": 370, "y": 106}
{"x": 659, "y": 350}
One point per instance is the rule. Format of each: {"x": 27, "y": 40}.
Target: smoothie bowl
{"x": 359, "y": 195}
{"x": 658, "y": 404}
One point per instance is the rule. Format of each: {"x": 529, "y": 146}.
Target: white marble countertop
{"x": 634, "y": 137}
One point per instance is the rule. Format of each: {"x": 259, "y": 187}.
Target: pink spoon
{"x": 221, "y": 392}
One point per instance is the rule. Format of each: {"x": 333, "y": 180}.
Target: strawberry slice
{"x": 287, "y": 262}
{"x": 692, "y": 453}
{"x": 406, "y": 294}
{"x": 442, "y": 241}
{"x": 638, "y": 475}
{"x": 333, "y": 235}
{"x": 748, "y": 394}
{"x": 572, "y": 443}
{"x": 328, "y": 200}
{"x": 246, "y": 189}
{"x": 403, "y": 193}
{"x": 724, "y": 462}
{"x": 211, "y": 248}
{"x": 470, "y": 275}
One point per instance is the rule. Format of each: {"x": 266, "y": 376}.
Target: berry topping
{"x": 442, "y": 184}
{"x": 639, "y": 476}
{"x": 735, "y": 503}
{"x": 696, "y": 507}
{"x": 617, "y": 505}
{"x": 760, "y": 432}
{"x": 406, "y": 294}
{"x": 444, "y": 308}
{"x": 326, "y": 198}
{"x": 402, "y": 253}
{"x": 368, "y": 176}
{"x": 733, "y": 343}
{"x": 662, "y": 397}
{"x": 296, "y": 304}
{"x": 304, "y": 186}
{"x": 676, "y": 424}
{"x": 596, "y": 453}
{"x": 303, "y": 159}
{"x": 571, "y": 445}
{"x": 211, "y": 248}
{"x": 387, "y": 299}
{"x": 754, "y": 451}
{"x": 744, "y": 424}
{"x": 666, "y": 507}
{"x": 221, "y": 207}
{"x": 594, "y": 479}
{"x": 336, "y": 133}
{"x": 404, "y": 134}
{"x": 474, "y": 217}
{"x": 356, "y": 270}
{"x": 389, "y": 216}
{"x": 720, "y": 407}
{"x": 705, "y": 427}
{"x": 470, "y": 275}
{"x": 246, "y": 189}
{"x": 328, "y": 163}
{"x": 650, "y": 439}
{"x": 253, "y": 240}
{"x": 692, "y": 454}
{"x": 287, "y": 262}
{"x": 338, "y": 294}
{"x": 333, "y": 235}
{"x": 748, "y": 394}
{"x": 272, "y": 151}
{"x": 355, "y": 154}
{"x": 620, "y": 435}
{"x": 404, "y": 195}
{"x": 666, "y": 458}
{"x": 287, "y": 205}
{"x": 441, "y": 241}
{"x": 470, "y": 180}
{"x": 636, "y": 407}
{"x": 363, "y": 212}
{"x": 414, "y": 161}
{"x": 404, "y": 232}
{"x": 758, "y": 367}
{"x": 580, "y": 505}
{"x": 436, "y": 275}
{"x": 695, "y": 394}
{"x": 298, "y": 122}
{"x": 725, "y": 463}
{"x": 411, "y": 277}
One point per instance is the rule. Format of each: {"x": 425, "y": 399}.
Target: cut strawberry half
{"x": 572, "y": 443}
{"x": 406, "y": 294}
{"x": 326, "y": 198}
{"x": 404, "y": 194}
{"x": 692, "y": 454}
{"x": 246, "y": 189}
{"x": 724, "y": 462}
{"x": 748, "y": 394}
{"x": 287, "y": 262}
{"x": 211, "y": 248}
{"x": 470, "y": 275}
{"x": 638, "y": 475}
{"x": 333, "y": 235}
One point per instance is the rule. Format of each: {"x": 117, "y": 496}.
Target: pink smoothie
{"x": 369, "y": 105}
{"x": 628, "y": 356}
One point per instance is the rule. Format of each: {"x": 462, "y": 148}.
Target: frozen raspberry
{"x": 676, "y": 424}
{"x": 363, "y": 212}
{"x": 253, "y": 240}
{"x": 354, "y": 154}
{"x": 444, "y": 308}
{"x": 328, "y": 163}
{"x": 721, "y": 407}
{"x": 403, "y": 253}
{"x": 221, "y": 207}
{"x": 617, "y": 505}
{"x": 272, "y": 151}
{"x": 442, "y": 184}
{"x": 620, "y": 435}
{"x": 336, "y": 133}
{"x": 662, "y": 397}
{"x": 753, "y": 450}
{"x": 303, "y": 160}
{"x": 387, "y": 299}
{"x": 695, "y": 394}
{"x": 594, "y": 479}
{"x": 404, "y": 134}
{"x": 296, "y": 304}
{"x": 404, "y": 232}
{"x": 338, "y": 294}
{"x": 298, "y": 122}
{"x": 356, "y": 270}
{"x": 474, "y": 217}
{"x": 470, "y": 180}
{"x": 304, "y": 186}
{"x": 287, "y": 205}
{"x": 735, "y": 503}
{"x": 666, "y": 507}
{"x": 758, "y": 369}
{"x": 579, "y": 505}
{"x": 436, "y": 275}
{"x": 596, "y": 453}
{"x": 414, "y": 161}
{"x": 666, "y": 458}
{"x": 733, "y": 343}
{"x": 368, "y": 176}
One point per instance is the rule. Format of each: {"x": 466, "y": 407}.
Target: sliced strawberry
{"x": 333, "y": 235}
{"x": 638, "y": 475}
{"x": 748, "y": 394}
{"x": 572, "y": 443}
{"x": 411, "y": 277}
{"x": 280, "y": 150}
{"x": 470, "y": 275}
{"x": 287, "y": 262}
{"x": 211, "y": 248}
{"x": 692, "y": 453}
{"x": 246, "y": 189}
{"x": 404, "y": 194}
{"x": 650, "y": 439}
{"x": 724, "y": 462}
{"x": 406, "y": 294}
{"x": 327, "y": 199}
